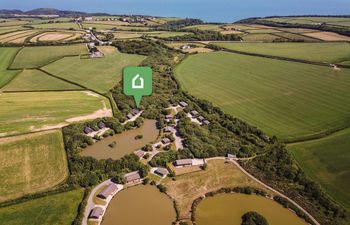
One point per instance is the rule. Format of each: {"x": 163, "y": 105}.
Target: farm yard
{"x": 59, "y": 209}
{"x": 34, "y": 57}
{"x": 31, "y": 163}
{"x": 83, "y": 71}
{"x": 232, "y": 81}
{"x": 33, "y": 111}
{"x": 316, "y": 52}
{"x": 327, "y": 161}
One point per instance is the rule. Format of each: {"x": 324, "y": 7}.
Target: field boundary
{"x": 283, "y": 58}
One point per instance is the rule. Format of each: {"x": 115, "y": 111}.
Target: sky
{"x": 207, "y": 10}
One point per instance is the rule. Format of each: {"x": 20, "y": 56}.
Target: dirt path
{"x": 98, "y": 114}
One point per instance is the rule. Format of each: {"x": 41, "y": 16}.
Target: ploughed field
{"x": 316, "y": 52}
{"x": 326, "y": 160}
{"x": 31, "y": 163}
{"x": 287, "y": 99}
{"x": 60, "y": 209}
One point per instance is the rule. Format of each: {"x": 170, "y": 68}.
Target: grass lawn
{"x": 286, "y": 99}
{"x": 31, "y": 163}
{"x": 24, "y": 112}
{"x": 34, "y": 57}
{"x": 58, "y": 209}
{"x": 35, "y": 80}
{"x": 188, "y": 187}
{"x": 326, "y": 161}
{"x": 318, "y": 52}
{"x": 6, "y": 56}
{"x": 100, "y": 74}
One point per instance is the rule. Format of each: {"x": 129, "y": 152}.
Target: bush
{"x": 253, "y": 218}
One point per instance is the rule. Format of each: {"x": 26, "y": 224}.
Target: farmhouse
{"x": 96, "y": 213}
{"x": 129, "y": 116}
{"x": 166, "y": 141}
{"x": 194, "y": 113}
{"x": 101, "y": 125}
{"x": 135, "y": 111}
{"x": 161, "y": 172}
{"x": 183, "y": 162}
{"x": 167, "y": 129}
{"x": 189, "y": 162}
{"x": 132, "y": 177}
{"x": 140, "y": 153}
{"x": 109, "y": 190}
{"x": 183, "y": 47}
{"x": 88, "y": 130}
{"x": 206, "y": 122}
{"x": 200, "y": 118}
{"x": 183, "y": 104}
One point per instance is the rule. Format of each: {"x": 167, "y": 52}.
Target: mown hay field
{"x": 326, "y": 161}
{"x": 56, "y": 36}
{"x": 287, "y": 99}
{"x": 99, "y": 74}
{"x": 6, "y": 56}
{"x": 317, "y": 52}
{"x": 32, "y": 111}
{"x": 31, "y": 163}
{"x": 36, "y": 80}
{"x": 58, "y": 209}
{"x": 17, "y": 37}
{"x": 34, "y": 57}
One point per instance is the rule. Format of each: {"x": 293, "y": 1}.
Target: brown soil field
{"x": 328, "y": 36}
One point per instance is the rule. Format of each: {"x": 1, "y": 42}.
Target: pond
{"x": 115, "y": 147}
{"x": 142, "y": 204}
{"x": 227, "y": 209}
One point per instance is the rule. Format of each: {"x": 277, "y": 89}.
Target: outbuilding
{"x": 183, "y": 104}
{"x": 183, "y": 162}
{"x": 109, "y": 190}
{"x": 129, "y": 116}
{"x": 132, "y": 177}
{"x": 162, "y": 172}
{"x": 88, "y": 130}
{"x": 96, "y": 213}
{"x": 166, "y": 141}
{"x": 101, "y": 125}
{"x": 194, "y": 113}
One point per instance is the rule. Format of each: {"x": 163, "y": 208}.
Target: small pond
{"x": 124, "y": 143}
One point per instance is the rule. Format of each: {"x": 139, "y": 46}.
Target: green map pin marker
{"x": 137, "y": 82}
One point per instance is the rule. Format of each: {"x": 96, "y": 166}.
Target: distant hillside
{"x": 50, "y": 11}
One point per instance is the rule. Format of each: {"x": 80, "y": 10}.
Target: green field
{"x": 326, "y": 161}
{"x": 100, "y": 74}
{"x": 24, "y": 112}
{"x": 56, "y": 26}
{"x": 6, "y": 56}
{"x": 35, "y": 80}
{"x": 318, "y": 52}
{"x": 31, "y": 163}
{"x": 34, "y": 57}
{"x": 259, "y": 37}
{"x": 312, "y": 20}
{"x": 286, "y": 99}
{"x": 212, "y": 27}
{"x": 59, "y": 209}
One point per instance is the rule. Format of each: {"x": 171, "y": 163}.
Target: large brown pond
{"x": 125, "y": 142}
{"x": 227, "y": 209}
{"x": 140, "y": 205}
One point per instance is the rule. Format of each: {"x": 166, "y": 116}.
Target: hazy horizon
{"x": 209, "y": 11}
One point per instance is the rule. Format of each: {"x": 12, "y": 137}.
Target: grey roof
{"x": 129, "y": 116}
{"x": 194, "y": 113}
{"x": 135, "y": 111}
{"x": 101, "y": 125}
{"x": 108, "y": 191}
{"x": 183, "y": 104}
{"x": 182, "y": 162}
{"x": 161, "y": 171}
{"x": 166, "y": 140}
{"x": 88, "y": 130}
{"x": 167, "y": 129}
{"x": 200, "y": 118}
{"x": 206, "y": 122}
{"x": 96, "y": 212}
{"x": 140, "y": 153}
{"x": 132, "y": 176}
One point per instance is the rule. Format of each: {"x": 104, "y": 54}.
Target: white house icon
{"x": 137, "y": 86}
